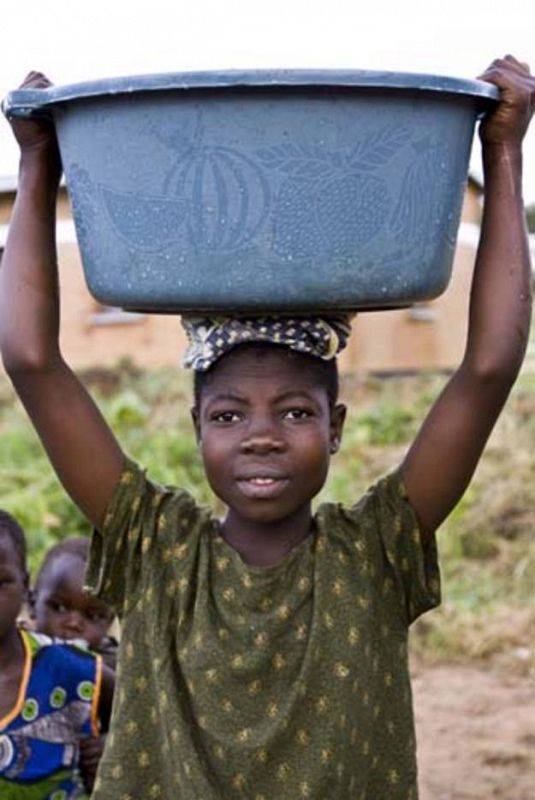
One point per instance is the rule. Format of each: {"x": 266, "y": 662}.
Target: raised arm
{"x": 80, "y": 445}
{"x": 442, "y": 460}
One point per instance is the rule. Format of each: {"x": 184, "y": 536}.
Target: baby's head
{"x": 61, "y": 608}
{"x": 13, "y": 572}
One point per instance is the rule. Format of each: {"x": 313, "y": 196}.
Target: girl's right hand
{"x": 36, "y": 136}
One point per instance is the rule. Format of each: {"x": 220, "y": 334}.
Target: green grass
{"x": 487, "y": 545}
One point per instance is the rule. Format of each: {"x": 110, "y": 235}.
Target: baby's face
{"x": 12, "y": 585}
{"x": 63, "y": 609}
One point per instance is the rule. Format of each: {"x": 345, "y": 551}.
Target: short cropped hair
{"x": 14, "y": 531}
{"x": 75, "y": 546}
{"x": 323, "y": 371}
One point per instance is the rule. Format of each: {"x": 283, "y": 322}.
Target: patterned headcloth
{"x": 210, "y": 337}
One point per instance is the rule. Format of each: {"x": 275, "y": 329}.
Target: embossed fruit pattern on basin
{"x": 257, "y": 191}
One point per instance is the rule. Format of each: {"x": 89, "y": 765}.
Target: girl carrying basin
{"x": 264, "y": 655}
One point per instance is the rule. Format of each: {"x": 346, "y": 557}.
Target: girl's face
{"x": 266, "y": 433}
{"x": 62, "y": 608}
{"x": 13, "y": 585}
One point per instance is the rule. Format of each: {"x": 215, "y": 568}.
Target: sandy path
{"x": 476, "y": 734}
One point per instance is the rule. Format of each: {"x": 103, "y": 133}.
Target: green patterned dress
{"x": 261, "y": 683}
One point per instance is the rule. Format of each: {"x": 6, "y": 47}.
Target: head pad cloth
{"x": 211, "y": 337}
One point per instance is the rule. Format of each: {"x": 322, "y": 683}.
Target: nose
{"x": 263, "y": 436}
{"x": 74, "y": 623}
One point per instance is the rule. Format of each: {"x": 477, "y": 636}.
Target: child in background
{"x": 52, "y": 696}
{"x": 264, "y": 655}
{"x": 61, "y": 607}
{"x": 63, "y": 610}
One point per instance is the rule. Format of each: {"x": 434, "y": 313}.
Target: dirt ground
{"x": 476, "y": 734}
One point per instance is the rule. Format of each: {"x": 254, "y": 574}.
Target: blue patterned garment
{"x": 56, "y": 707}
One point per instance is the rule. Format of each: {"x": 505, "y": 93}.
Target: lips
{"x": 262, "y": 484}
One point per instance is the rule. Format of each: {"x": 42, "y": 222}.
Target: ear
{"x": 194, "y": 412}
{"x": 338, "y": 416}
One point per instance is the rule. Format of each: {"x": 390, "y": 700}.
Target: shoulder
{"x": 60, "y": 655}
{"x": 34, "y": 641}
{"x": 140, "y": 497}
{"x": 386, "y": 494}
{"x": 382, "y": 512}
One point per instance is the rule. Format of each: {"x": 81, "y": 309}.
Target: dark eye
{"x": 7, "y": 577}
{"x": 58, "y": 608}
{"x": 298, "y": 414}
{"x": 225, "y": 417}
{"x": 97, "y": 616}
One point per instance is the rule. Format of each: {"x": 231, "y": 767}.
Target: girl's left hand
{"x": 509, "y": 122}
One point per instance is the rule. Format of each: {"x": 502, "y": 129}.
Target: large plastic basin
{"x": 254, "y": 191}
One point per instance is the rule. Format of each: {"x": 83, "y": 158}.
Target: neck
{"x": 266, "y": 544}
{"x": 11, "y": 650}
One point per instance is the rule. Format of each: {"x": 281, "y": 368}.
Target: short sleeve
{"x": 142, "y": 520}
{"x": 413, "y": 561}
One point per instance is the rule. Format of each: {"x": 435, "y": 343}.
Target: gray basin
{"x": 264, "y": 190}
